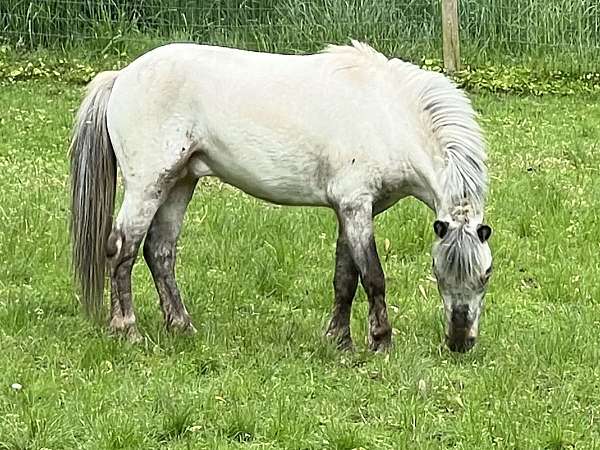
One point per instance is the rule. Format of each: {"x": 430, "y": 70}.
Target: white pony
{"x": 346, "y": 128}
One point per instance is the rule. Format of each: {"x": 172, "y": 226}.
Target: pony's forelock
{"x": 459, "y": 255}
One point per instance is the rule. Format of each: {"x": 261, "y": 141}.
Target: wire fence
{"x": 551, "y": 34}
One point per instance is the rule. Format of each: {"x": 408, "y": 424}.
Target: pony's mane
{"x": 359, "y": 50}
{"x": 450, "y": 119}
{"x": 448, "y": 113}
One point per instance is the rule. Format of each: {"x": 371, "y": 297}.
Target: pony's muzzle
{"x": 460, "y": 345}
{"x": 462, "y": 331}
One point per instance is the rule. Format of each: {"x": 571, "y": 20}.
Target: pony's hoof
{"x": 133, "y": 336}
{"x": 130, "y": 334}
{"x": 381, "y": 344}
{"x": 340, "y": 338}
{"x": 128, "y": 331}
{"x": 380, "y": 339}
{"x": 182, "y": 326}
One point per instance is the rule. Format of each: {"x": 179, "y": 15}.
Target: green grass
{"x": 545, "y": 34}
{"x": 257, "y": 283}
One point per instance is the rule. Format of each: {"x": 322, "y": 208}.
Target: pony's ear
{"x": 484, "y": 232}
{"x": 440, "y": 228}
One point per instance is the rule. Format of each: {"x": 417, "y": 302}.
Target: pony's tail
{"x": 93, "y": 184}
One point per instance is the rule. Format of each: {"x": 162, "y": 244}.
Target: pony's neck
{"x": 461, "y": 177}
{"x": 452, "y": 138}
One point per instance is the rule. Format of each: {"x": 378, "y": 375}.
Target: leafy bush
{"x": 520, "y": 80}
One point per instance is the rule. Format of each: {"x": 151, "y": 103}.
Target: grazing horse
{"x": 346, "y": 128}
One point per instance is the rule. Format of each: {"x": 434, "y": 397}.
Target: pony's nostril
{"x": 469, "y": 343}
{"x": 460, "y": 345}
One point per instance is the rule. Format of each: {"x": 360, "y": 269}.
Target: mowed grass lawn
{"x": 257, "y": 281}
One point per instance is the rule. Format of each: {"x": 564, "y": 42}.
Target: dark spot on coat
{"x": 322, "y": 172}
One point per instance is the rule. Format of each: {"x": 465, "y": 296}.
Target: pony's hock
{"x": 346, "y": 128}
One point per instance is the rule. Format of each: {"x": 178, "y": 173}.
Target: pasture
{"x": 257, "y": 281}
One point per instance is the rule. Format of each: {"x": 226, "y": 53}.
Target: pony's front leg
{"x": 356, "y": 219}
{"x": 345, "y": 282}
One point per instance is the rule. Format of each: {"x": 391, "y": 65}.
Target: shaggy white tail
{"x": 93, "y": 182}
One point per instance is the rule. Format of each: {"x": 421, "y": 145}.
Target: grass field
{"x": 257, "y": 280}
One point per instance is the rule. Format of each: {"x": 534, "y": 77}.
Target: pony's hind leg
{"x": 345, "y": 282}
{"x": 134, "y": 218}
{"x": 160, "y": 248}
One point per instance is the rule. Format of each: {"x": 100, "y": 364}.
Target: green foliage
{"x": 504, "y": 79}
{"x": 522, "y": 80}
{"x": 73, "y": 71}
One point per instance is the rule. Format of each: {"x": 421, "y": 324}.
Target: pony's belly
{"x": 282, "y": 191}
{"x": 289, "y": 194}
{"x": 280, "y": 185}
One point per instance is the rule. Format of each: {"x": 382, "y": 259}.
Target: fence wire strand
{"x": 555, "y": 33}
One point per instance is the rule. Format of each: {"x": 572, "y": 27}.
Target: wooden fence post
{"x": 450, "y": 35}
